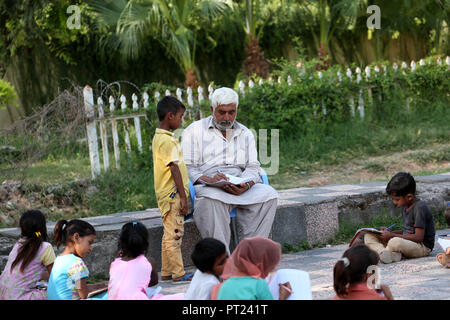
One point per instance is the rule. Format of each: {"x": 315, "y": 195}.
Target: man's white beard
{"x": 223, "y": 125}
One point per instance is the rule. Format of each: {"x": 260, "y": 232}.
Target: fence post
{"x": 190, "y": 101}
{"x": 91, "y": 131}
{"x": 210, "y": 91}
{"x": 324, "y": 108}
{"x": 115, "y": 135}
{"x": 242, "y": 88}
{"x": 200, "y": 99}
{"x": 369, "y": 89}
{"x": 103, "y": 135}
{"x": 179, "y": 94}
{"x": 352, "y": 100}
{"x": 145, "y": 96}
{"x": 137, "y": 123}
{"x": 360, "y": 99}
{"x": 126, "y": 127}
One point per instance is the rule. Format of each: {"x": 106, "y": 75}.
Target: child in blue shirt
{"x": 69, "y": 273}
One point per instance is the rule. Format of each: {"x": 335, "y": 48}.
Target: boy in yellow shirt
{"x": 171, "y": 187}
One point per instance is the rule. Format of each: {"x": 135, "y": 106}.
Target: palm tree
{"x": 254, "y": 62}
{"x": 173, "y": 23}
{"x": 325, "y": 17}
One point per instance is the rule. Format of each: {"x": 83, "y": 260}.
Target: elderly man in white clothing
{"x": 219, "y": 145}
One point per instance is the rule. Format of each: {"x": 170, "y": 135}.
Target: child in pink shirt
{"x": 30, "y": 259}
{"x": 131, "y": 273}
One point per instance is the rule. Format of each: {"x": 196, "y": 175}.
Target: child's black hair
{"x": 360, "y": 258}
{"x": 33, "y": 229}
{"x": 205, "y": 253}
{"x": 133, "y": 240}
{"x": 168, "y": 104}
{"x": 65, "y": 229}
{"x": 401, "y": 184}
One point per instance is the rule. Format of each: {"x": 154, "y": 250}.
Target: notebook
{"x": 298, "y": 279}
{"x": 231, "y": 180}
{"x": 359, "y": 231}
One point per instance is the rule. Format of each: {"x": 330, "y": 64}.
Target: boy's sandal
{"x": 166, "y": 278}
{"x": 186, "y": 278}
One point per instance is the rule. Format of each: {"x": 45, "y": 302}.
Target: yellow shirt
{"x": 167, "y": 149}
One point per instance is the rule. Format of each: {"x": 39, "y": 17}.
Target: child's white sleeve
{"x": 48, "y": 257}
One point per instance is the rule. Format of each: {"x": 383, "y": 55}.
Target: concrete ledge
{"x": 311, "y": 214}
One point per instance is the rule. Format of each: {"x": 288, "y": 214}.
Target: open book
{"x": 231, "y": 180}
{"x": 444, "y": 242}
{"x": 96, "y": 292}
{"x": 360, "y": 232}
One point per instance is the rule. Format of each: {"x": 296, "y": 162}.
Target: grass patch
{"x": 342, "y": 142}
{"x": 289, "y": 248}
{"x": 129, "y": 189}
{"x": 374, "y": 167}
{"x": 440, "y": 154}
{"x": 347, "y": 230}
{"x": 51, "y": 171}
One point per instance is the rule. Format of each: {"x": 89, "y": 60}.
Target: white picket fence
{"x": 95, "y": 115}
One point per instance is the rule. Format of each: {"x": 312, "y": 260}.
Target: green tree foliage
{"x": 40, "y": 56}
{"x": 173, "y": 23}
{"x": 8, "y": 97}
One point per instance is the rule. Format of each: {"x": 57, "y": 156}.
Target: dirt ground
{"x": 380, "y": 168}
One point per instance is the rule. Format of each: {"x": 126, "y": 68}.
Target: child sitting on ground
{"x": 351, "y": 274}
{"x": 246, "y": 270}
{"x": 131, "y": 273}
{"x": 209, "y": 256}
{"x": 444, "y": 258}
{"x": 171, "y": 187}
{"x": 69, "y": 273}
{"x": 30, "y": 260}
{"x": 417, "y": 238}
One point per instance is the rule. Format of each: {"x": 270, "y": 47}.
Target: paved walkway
{"x": 409, "y": 279}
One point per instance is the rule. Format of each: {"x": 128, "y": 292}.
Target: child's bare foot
{"x": 443, "y": 259}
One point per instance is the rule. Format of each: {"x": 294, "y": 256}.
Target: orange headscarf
{"x": 255, "y": 257}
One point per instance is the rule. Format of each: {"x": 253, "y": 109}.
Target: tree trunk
{"x": 254, "y": 62}
{"x": 191, "y": 79}
{"x": 324, "y": 58}
{"x": 8, "y": 108}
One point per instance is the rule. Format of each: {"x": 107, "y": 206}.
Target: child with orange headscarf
{"x": 245, "y": 271}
